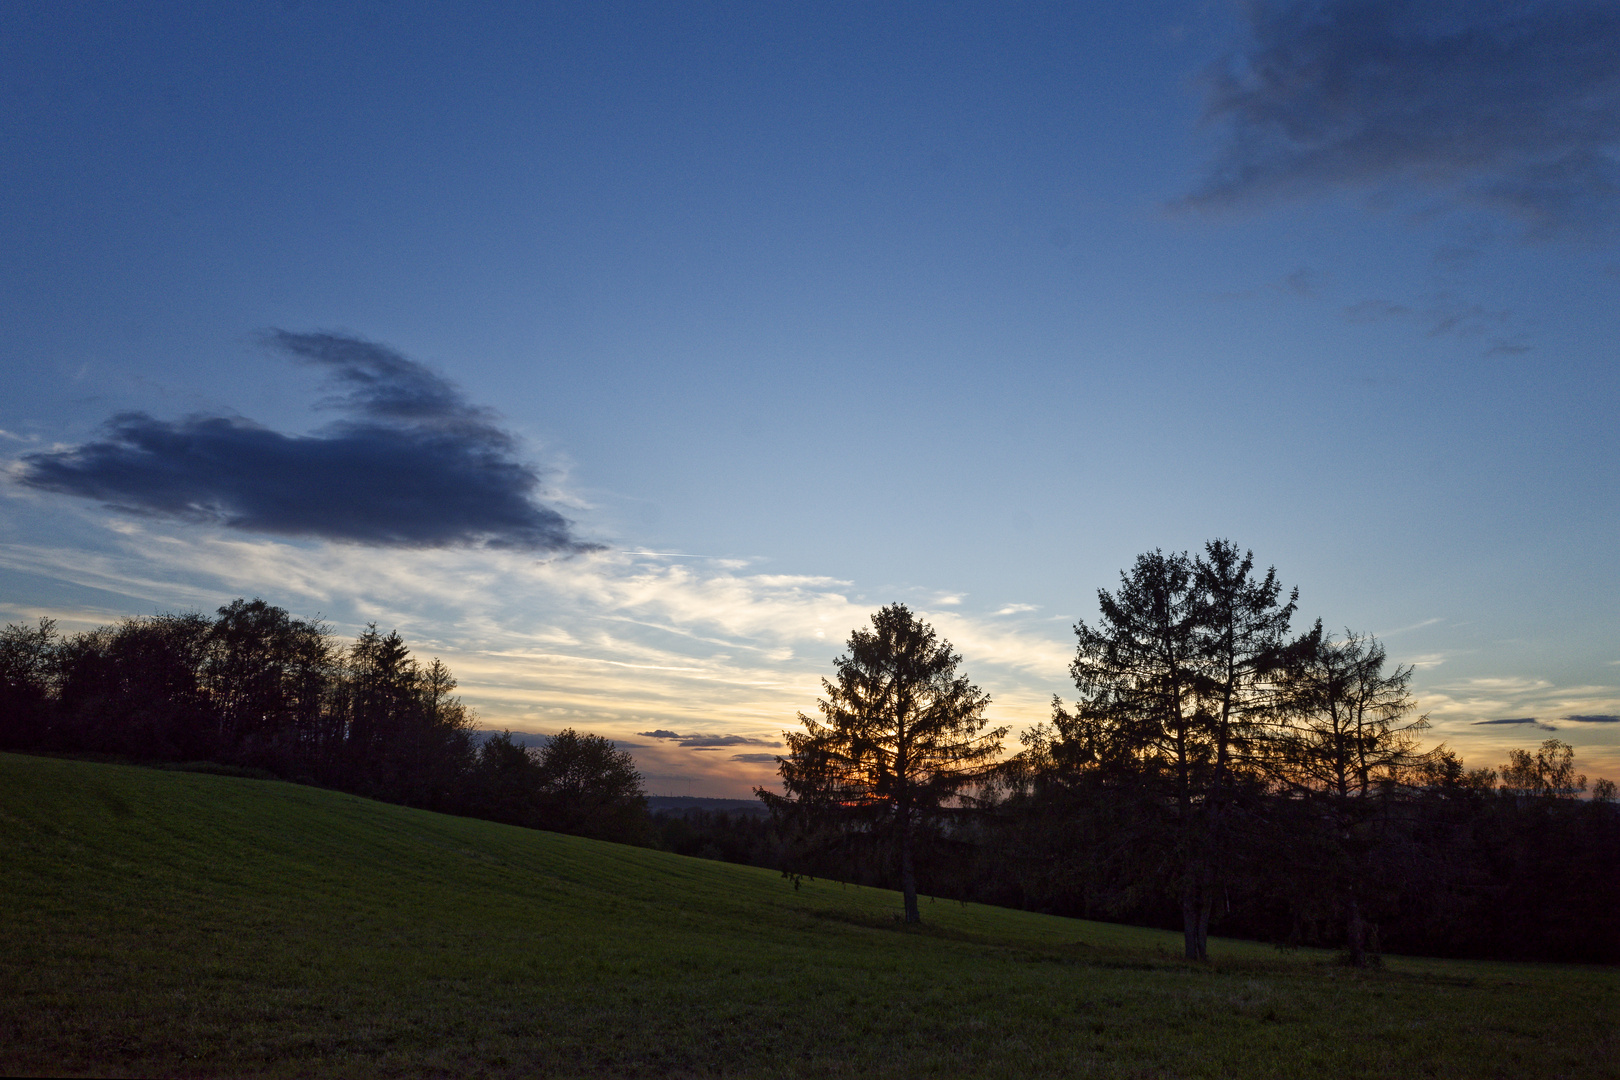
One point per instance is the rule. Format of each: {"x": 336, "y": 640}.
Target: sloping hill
{"x": 161, "y": 923}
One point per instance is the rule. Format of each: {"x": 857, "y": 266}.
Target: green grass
{"x": 183, "y": 924}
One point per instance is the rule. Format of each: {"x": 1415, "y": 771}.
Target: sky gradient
{"x": 629, "y": 356}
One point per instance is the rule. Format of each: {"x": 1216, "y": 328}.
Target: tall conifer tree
{"x": 902, "y": 735}
{"x": 1176, "y": 681}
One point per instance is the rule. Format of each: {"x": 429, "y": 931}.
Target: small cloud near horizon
{"x": 1599, "y": 718}
{"x": 1530, "y": 720}
{"x": 708, "y": 742}
{"x": 411, "y": 463}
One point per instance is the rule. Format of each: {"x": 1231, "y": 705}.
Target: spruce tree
{"x": 901, "y": 736}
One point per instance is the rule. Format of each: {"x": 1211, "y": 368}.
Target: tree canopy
{"x": 902, "y": 734}
{"x": 1177, "y": 684}
{"x": 258, "y": 690}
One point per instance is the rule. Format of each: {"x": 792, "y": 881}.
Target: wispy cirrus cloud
{"x": 1482, "y": 718}
{"x": 1496, "y": 713}
{"x": 1512, "y": 106}
{"x": 696, "y": 666}
{"x": 410, "y": 463}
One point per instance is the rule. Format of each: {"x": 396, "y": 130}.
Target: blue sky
{"x": 445, "y": 317}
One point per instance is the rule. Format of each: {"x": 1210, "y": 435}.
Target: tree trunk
{"x": 1206, "y": 903}
{"x": 1357, "y": 934}
{"x": 908, "y": 873}
{"x": 1192, "y": 940}
{"x": 1197, "y": 893}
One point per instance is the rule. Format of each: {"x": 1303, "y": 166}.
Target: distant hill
{"x": 163, "y": 923}
{"x": 658, "y": 804}
{"x": 521, "y": 738}
{"x": 684, "y": 804}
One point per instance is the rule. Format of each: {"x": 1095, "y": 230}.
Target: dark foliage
{"x": 256, "y": 691}
{"x": 902, "y": 736}
{"x": 577, "y": 783}
{"x": 734, "y": 837}
{"x": 1217, "y": 772}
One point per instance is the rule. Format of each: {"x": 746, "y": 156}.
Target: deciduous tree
{"x": 268, "y": 677}
{"x": 28, "y": 678}
{"x": 1548, "y": 773}
{"x": 591, "y": 787}
{"x": 1346, "y": 746}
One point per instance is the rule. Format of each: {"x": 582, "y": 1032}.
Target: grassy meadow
{"x": 161, "y": 923}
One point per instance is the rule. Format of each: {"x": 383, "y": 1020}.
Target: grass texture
{"x": 178, "y": 924}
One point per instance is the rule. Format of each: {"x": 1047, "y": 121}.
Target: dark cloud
{"x": 707, "y": 742}
{"x": 1302, "y": 282}
{"x": 412, "y": 463}
{"x": 1532, "y": 721}
{"x": 1597, "y": 719}
{"x": 754, "y": 759}
{"x": 1514, "y": 105}
{"x": 1442, "y": 314}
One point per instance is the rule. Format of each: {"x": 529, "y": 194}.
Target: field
{"x": 180, "y": 924}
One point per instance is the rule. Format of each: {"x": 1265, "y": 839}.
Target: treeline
{"x": 1217, "y": 769}
{"x": 258, "y": 690}
{"x": 1457, "y": 871}
{"x": 1447, "y": 863}
{"x": 724, "y": 835}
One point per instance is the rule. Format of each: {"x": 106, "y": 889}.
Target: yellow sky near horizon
{"x": 622, "y": 644}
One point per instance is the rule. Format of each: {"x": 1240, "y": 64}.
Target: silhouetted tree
{"x": 1177, "y": 684}
{"x": 505, "y": 783}
{"x": 379, "y": 703}
{"x": 903, "y": 735}
{"x": 28, "y": 682}
{"x": 1549, "y": 773}
{"x": 590, "y": 787}
{"x": 269, "y": 676}
{"x": 1140, "y": 720}
{"x": 1346, "y": 748}
{"x": 136, "y": 689}
{"x": 442, "y": 707}
{"x": 1243, "y": 650}
{"x": 1349, "y": 723}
